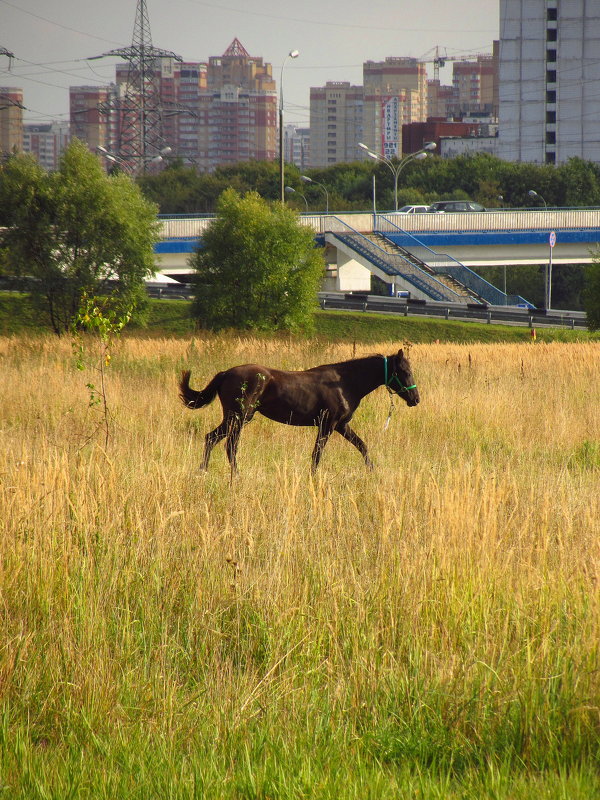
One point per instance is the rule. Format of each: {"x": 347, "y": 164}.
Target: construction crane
{"x": 8, "y": 54}
{"x": 438, "y": 57}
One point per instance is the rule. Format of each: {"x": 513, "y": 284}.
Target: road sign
{"x": 552, "y": 239}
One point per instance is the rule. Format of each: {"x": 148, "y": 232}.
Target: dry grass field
{"x": 427, "y": 630}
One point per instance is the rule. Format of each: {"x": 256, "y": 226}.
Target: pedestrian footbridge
{"x": 432, "y": 256}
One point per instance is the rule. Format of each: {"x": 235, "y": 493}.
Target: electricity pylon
{"x": 137, "y": 104}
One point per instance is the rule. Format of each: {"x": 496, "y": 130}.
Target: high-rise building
{"x": 87, "y": 123}
{"x": 46, "y": 142}
{"x": 549, "y": 79}
{"x": 190, "y": 82}
{"x": 179, "y": 85}
{"x": 296, "y": 146}
{"x": 476, "y": 84}
{"x": 237, "y": 110}
{"x": 442, "y": 100}
{"x": 336, "y": 120}
{"x": 395, "y": 94}
{"x": 220, "y": 112}
{"x": 11, "y": 119}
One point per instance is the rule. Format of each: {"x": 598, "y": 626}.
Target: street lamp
{"x": 533, "y": 193}
{"x": 306, "y": 179}
{"x": 291, "y": 54}
{"x": 291, "y": 190}
{"x": 126, "y": 164}
{"x": 397, "y": 167}
{"x": 111, "y": 157}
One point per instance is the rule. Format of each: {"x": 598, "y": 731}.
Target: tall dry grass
{"x": 429, "y": 629}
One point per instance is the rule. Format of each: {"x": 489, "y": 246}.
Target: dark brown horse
{"x": 325, "y": 396}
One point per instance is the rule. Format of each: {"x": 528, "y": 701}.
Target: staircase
{"x": 440, "y": 264}
{"x": 460, "y": 289}
{"x": 386, "y": 261}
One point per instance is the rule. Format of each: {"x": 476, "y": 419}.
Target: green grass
{"x": 172, "y": 318}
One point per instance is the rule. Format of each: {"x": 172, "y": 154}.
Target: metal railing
{"x": 392, "y": 264}
{"x": 443, "y": 263}
{"x": 493, "y": 220}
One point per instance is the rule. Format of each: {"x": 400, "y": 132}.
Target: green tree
{"x": 76, "y": 231}
{"x": 258, "y": 268}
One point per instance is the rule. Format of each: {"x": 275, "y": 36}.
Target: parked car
{"x": 411, "y": 210}
{"x": 452, "y": 206}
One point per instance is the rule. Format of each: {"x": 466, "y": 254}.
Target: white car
{"x": 412, "y": 210}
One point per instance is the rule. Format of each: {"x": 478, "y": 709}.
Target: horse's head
{"x": 400, "y": 378}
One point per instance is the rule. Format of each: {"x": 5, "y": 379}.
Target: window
{"x": 551, "y": 76}
{"x": 552, "y": 14}
{"x": 551, "y": 56}
{"x": 551, "y": 117}
{"x": 551, "y": 96}
{"x": 550, "y": 137}
{"x": 550, "y": 158}
{"x": 551, "y": 35}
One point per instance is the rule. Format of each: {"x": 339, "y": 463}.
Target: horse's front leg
{"x": 350, "y": 436}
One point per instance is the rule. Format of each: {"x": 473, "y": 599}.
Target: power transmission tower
{"x": 137, "y": 105}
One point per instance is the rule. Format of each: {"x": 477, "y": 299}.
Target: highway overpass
{"x": 470, "y": 240}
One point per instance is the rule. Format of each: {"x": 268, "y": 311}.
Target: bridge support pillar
{"x": 352, "y": 276}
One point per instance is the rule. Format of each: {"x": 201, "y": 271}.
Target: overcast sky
{"x": 51, "y": 39}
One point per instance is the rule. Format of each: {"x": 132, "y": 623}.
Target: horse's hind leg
{"x": 211, "y": 439}
{"x": 325, "y": 431}
{"x": 234, "y": 428}
{"x": 349, "y": 435}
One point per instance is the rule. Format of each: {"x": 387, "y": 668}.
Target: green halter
{"x": 388, "y": 381}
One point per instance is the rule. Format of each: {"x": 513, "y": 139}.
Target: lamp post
{"x": 306, "y": 179}
{"x": 291, "y": 54}
{"x": 125, "y": 164}
{"x": 291, "y": 190}
{"x": 533, "y": 193}
{"x": 397, "y": 167}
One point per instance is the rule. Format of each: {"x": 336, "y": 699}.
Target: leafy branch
{"x": 103, "y": 319}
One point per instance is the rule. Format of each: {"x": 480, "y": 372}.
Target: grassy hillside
{"x": 172, "y": 318}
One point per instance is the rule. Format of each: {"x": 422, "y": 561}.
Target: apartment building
{"x": 476, "y": 84}
{"x": 395, "y": 94}
{"x": 549, "y": 105}
{"x": 209, "y": 113}
{"x": 46, "y": 142}
{"x": 237, "y": 110}
{"x": 86, "y": 120}
{"x": 336, "y": 123}
{"x": 296, "y": 146}
{"x": 11, "y": 119}
{"x": 442, "y": 100}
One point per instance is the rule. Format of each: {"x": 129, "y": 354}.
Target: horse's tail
{"x": 193, "y": 399}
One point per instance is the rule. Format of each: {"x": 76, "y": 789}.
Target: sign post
{"x": 551, "y": 242}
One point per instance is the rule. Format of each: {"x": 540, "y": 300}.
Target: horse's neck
{"x": 370, "y": 373}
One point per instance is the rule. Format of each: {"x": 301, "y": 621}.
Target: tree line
{"x": 79, "y": 233}
{"x": 179, "y": 189}
{"x": 488, "y": 180}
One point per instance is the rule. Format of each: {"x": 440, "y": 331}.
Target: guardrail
{"x": 170, "y": 291}
{"x": 504, "y": 315}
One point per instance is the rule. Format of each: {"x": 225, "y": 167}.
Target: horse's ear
{"x": 401, "y": 353}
